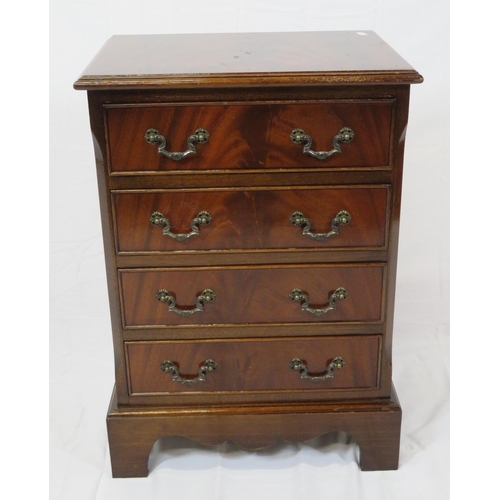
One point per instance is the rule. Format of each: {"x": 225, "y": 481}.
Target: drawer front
{"x": 251, "y": 365}
{"x": 252, "y": 295}
{"x": 248, "y": 136}
{"x": 252, "y": 219}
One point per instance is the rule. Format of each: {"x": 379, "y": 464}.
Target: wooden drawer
{"x": 251, "y": 295}
{"x": 251, "y": 219}
{"x": 249, "y": 136}
{"x": 252, "y": 365}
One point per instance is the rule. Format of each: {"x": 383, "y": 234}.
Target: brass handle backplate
{"x": 297, "y": 295}
{"x": 154, "y": 137}
{"x": 166, "y": 297}
{"x": 298, "y": 136}
{"x": 202, "y": 219}
{"x": 168, "y": 366}
{"x": 300, "y": 366}
{"x": 341, "y": 219}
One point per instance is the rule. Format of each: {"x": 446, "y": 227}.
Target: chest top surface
{"x": 228, "y": 59}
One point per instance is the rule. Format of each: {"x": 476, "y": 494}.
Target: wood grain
{"x": 375, "y": 424}
{"x": 250, "y": 365}
{"x": 243, "y": 59}
{"x": 249, "y": 136}
{"x": 250, "y": 91}
{"x": 250, "y": 219}
{"x": 252, "y": 295}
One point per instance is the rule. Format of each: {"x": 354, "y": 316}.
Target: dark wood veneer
{"x": 252, "y": 294}
{"x": 249, "y": 136}
{"x": 246, "y": 59}
{"x": 253, "y": 365}
{"x": 238, "y": 218}
{"x": 251, "y": 176}
{"x": 374, "y": 423}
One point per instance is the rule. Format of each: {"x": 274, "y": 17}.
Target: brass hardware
{"x": 153, "y": 137}
{"x": 298, "y": 136}
{"x": 299, "y": 365}
{"x": 166, "y": 297}
{"x": 202, "y": 219}
{"x": 170, "y": 367}
{"x": 297, "y": 295}
{"x": 341, "y": 219}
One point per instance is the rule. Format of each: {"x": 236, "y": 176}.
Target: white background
{"x": 81, "y": 369}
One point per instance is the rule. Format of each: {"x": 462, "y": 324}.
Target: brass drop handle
{"x": 202, "y": 219}
{"x": 298, "y": 136}
{"x": 168, "y": 366}
{"x": 154, "y": 137}
{"x": 297, "y": 295}
{"x": 166, "y": 297}
{"x": 298, "y": 365}
{"x": 341, "y": 219}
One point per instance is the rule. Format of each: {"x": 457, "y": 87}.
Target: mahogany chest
{"x": 250, "y": 190}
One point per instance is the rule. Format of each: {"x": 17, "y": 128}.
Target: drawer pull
{"x": 170, "y": 367}
{"x": 298, "y": 295}
{"x": 299, "y": 365}
{"x": 166, "y": 297}
{"x": 200, "y": 136}
{"x": 341, "y": 219}
{"x": 202, "y": 219}
{"x": 298, "y": 136}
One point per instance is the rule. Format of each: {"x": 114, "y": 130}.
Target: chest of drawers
{"x": 250, "y": 189}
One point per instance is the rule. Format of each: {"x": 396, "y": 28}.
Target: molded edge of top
{"x": 127, "y": 82}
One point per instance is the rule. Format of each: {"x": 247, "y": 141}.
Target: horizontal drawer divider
{"x": 341, "y": 325}
{"x": 251, "y": 188}
{"x": 300, "y": 265}
{"x": 230, "y": 257}
{"x": 212, "y": 178}
{"x": 190, "y": 332}
{"x": 292, "y": 392}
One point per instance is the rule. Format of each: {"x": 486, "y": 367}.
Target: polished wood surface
{"x": 252, "y": 294}
{"x": 249, "y": 137}
{"x": 216, "y": 179}
{"x": 250, "y": 365}
{"x": 238, "y": 218}
{"x": 250, "y": 175}
{"x": 375, "y": 424}
{"x": 145, "y": 61}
